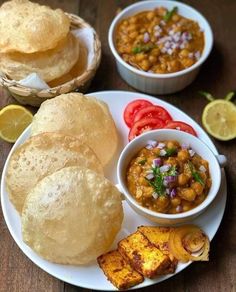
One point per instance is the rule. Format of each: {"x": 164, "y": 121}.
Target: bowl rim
{"x": 184, "y": 215}
{"x": 201, "y": 60}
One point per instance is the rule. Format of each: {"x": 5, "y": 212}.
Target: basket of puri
{"x": 38, "y": 39}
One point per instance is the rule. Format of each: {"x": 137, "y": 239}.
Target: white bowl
{"x": 160, "y": 83}
{"x": 131, "y": 149}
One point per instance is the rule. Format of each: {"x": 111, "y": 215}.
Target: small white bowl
{"x": 152, "y": 82}
{"x": 131, "y": 149}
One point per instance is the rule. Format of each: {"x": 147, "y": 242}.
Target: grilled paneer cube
{"x": 143, "y": 255}
{"x": 118, "y": 271}
{"x": 159, "y": 236}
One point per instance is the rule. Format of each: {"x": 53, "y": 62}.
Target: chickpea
{"x": 208, "y": 182}
{"x": 131, "y": 27}
{"x": 186, "y": 62}
{"x": 133, "y": 34}
{"x": 198, "y": 188}
{"x": 155, "y": 52}
{"x": 162, "y": 203}
{"x": 142, "y": 181}
{"x": 133, "y": 19}
{"x": 125, "y": 22}
{"x": 152, "y": 59}
{"x": 175, "y": 17}
{"x": 200, "y": 199}
{"x": 139, "y": 193}
{"x": 175, "y": 202}
{"x": 150, "y": 15}
{"x": 188, "y": 194}
{"x": 184, "y": 53}
{"x": 147, "y": 192}
{"x": 145, "y": 65}
{"x": 172, "y": 144}
{"x": 183, "y": 155}
{"x": 138, "y": 169}
{"x": 172, "y": 161}
{"x": 186, "y": 207}
{"x": 140, "y": 57}
{"x": 182, "y": 179}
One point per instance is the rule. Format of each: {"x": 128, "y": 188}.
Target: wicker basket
{"x": 34, "y": 97}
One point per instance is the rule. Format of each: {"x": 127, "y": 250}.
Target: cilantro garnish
{"x": 170, "y": 152}
{"x": 195, "y": 174}
{"x": 142, "y": 162}
{"x": 169, "y": 14}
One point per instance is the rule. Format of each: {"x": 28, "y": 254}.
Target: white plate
{"x": 91, "y": 276}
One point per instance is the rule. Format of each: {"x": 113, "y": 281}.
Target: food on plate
{"x": 189, "y": 243}
{"x": 159, "y": 236}
{"x": 181, "y": 126}
{"x": 167, "y": 177}
{"x": 149, "y": 247}
{"x": 72, "y": 216}
{"x": 153, "y": 111}
{"x": 40, "y": 156}
{"x": 145, "y": 125}
{"x": 28, "y": 27}
{"x": 141, "y": 116}
{"x": 219, "y": 117}
{"x": 13, "y": 121}
{"x": 87, "y": 118}
{"x": 118, "y": 271}
{"x": 132, "y": 108}
{"x": 49, "y": 65}
{"x": 159, "y": 41}
{"x": 143, "y": 256}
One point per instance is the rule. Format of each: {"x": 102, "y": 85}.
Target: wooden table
{"x": 218, "y": 75}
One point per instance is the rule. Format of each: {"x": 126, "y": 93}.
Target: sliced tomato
{"x": 153, "y": 111}
{"x": 177, "y": 125}
{"x": 144, "y": 125}
{"x": 132, "y": 108}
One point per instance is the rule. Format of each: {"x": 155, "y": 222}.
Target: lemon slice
{"x": 13, "y": 120}
{"x": 219, "y": 119}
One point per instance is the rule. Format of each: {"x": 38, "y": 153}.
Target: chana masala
{"x": 159, "y": 41}
{"x": 167, "y": 177}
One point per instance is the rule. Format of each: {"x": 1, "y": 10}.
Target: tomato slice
{"x": 153, "y": 111}
{"x": 144, "y": 125}
{"x": 132, "y": 108}
{"x": 177, "y": 125}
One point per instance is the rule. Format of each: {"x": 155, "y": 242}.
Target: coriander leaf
{"x": 170, "y": 152}
{"x": 195, "y": 174}
{"x": 136, "y": 50}
{"x": 142, "y": 162}
{"x": 169, "y": 14}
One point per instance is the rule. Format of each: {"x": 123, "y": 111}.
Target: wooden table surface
{"x": 218, "y": 75}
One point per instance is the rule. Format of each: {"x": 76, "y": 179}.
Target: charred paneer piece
{"x": 159, "y": 236}
{"x": 143, "y": 255}
{"x": 118, "y": 271}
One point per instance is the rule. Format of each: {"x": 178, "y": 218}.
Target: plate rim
{"x": 47, "y": 269}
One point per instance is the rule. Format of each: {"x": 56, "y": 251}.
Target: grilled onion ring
{"x": 188, "y": 239}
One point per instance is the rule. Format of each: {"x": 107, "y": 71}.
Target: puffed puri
{"x": 72, "y": 216}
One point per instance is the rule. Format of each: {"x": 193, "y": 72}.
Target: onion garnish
{"x": 157, "y": 162}
{"x": 191, "y": 152}
{"x": 165, "y": 168}
{"x": 202, "y": 168}
{"x": 150, "y": 176}
{"x": 162, "y": 152}
{"x": 186, "y": 240}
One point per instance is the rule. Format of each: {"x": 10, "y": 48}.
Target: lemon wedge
{"x": 13, "y": 121}
{"x": 219, "y": 119}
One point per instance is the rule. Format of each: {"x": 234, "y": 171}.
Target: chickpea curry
{"x": 159, "y": 41}
{"x": 167, "y": 177}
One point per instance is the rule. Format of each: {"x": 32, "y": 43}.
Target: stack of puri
{"x": 35, "y": 39}
{"x": 70, "y": 213}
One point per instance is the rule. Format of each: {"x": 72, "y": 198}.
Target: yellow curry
{"x": 159, "y": 41}
{"x": 167, "y": 177}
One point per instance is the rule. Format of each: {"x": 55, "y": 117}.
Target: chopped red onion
{"x": 190, "y": 55}
{"x": 155, "y": 195}
{"x": 150, "y": 176}
{"x": 153, "y": 143}
{"x": 157, "y": 34}
{"x": 168, "y": 191}
{"x": 161, "y": 145}
{"x": 162, "y": 22}
{"x": 162, "y": 152}
{"x": 164, "y": 168}
{"x": 149, "y": 171}
{"x": 170, "y": 52}
{"x": 170, "y": 178}
{"x": 202, "y": 168}
{"x": 197, "y": 55}
{"x": 173, "y": 193}
{"x": 146, "y": 37}
{"x": 149, "y": 147}
{"x": 179, "y": 208}
{"x": 185, "y": 146}
{"x": 167, "y": 45}
{"x": 157, "y": 162}
{"x": 163, "y": 50}
{"x": 191, "y": 152}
